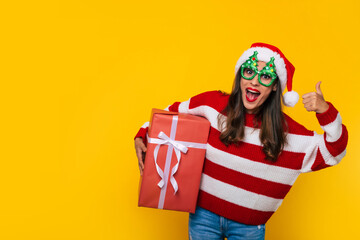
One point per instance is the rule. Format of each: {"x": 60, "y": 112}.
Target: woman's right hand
{"x": 140, "y": 149}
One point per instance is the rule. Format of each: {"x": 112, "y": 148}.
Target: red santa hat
{"x": 284, "y": 69}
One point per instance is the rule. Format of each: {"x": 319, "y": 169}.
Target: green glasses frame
{"x": 259, "y": 73}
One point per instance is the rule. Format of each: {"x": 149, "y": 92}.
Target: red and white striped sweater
{"x": 237, "y": 182}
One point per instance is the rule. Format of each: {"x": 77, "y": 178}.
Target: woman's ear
{"x": 274, "y": 88}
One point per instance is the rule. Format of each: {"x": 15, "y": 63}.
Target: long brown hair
{"x": 273, "y": 126}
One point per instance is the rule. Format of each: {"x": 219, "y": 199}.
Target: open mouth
{"x": 252, "y": 94}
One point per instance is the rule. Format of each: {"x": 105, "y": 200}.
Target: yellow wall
{"x": 78, "y": 78}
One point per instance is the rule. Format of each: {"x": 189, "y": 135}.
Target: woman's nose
{"x": 255, "y": 81}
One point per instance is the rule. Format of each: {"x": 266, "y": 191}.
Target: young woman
{"x": 255, "y": 152}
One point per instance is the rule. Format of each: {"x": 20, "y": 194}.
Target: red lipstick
{"x": 252, "y": 94}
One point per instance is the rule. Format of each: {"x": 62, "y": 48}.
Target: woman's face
{"x": 253, "y": 93}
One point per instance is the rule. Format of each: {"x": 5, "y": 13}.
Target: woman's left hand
{"x": 314, "y": 101}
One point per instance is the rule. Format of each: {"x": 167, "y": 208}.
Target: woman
{"x": 255, "y": 152}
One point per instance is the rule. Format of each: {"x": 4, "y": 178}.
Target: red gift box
{"x": 174, "y": 161}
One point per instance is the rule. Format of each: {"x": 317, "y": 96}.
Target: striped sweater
{"x": 237, "y": 182}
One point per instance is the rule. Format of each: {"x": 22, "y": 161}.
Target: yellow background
{"x": 78, "y": 78}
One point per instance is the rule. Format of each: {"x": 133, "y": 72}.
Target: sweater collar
{"x": 249, "y": 120}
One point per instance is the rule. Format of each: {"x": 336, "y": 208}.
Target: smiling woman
{"x": 255, "y": 152}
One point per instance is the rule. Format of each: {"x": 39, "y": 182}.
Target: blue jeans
{"x": 205, "y": 225}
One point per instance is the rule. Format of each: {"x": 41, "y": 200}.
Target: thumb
{"x": 317, "y": 87}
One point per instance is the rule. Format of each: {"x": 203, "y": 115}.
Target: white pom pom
{"x": 291, "y": 98}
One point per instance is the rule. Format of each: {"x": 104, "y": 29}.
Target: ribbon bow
{"x": 163, "y": 139}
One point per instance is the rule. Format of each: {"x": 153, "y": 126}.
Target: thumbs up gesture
{"x": 314, "y": 101}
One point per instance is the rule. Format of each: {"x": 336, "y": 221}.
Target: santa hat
{"x": 284, "y": 69}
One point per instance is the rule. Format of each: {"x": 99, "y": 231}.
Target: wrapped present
{"x": 174, "y": 161}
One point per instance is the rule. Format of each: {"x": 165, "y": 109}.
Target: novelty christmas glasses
{"x": 266, "y": 76}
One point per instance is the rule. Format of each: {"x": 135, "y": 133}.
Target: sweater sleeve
{"x": 194, "y": 105}
{"x": 329, "y": 148}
